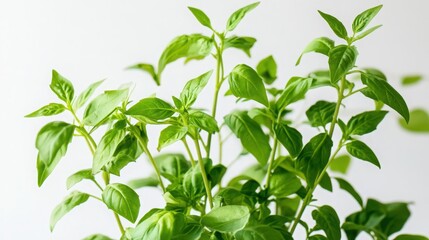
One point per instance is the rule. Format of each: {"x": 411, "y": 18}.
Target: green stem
{"x": 204, "y": 173}
{"x": 118, "y": 220}
{"x": 271, "y": 162}
{"x": 189, "y": 151}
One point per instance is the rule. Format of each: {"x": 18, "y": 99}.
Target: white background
{"x": 89, "y": 40}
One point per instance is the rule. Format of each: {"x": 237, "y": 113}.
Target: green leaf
{"x": 172, "y": 166}
{"x": 283, "y": 184}
{"x": 48, "y": 110}
{"x": 170, "y": 135}
{"x": 97, "y": 237}
{"x": 411, "y": 79}
{"x": 314, "y": 157}
{"x": 193, "y": 183}
{"x": 52, "y": 142}
{"x": 258, "y": 232}
{"x": 107, "y": 146}
{"x": 242, "y": 43}
{"x": 267, "y": 69}
{"x": 346, "y": 186}
{"x": 151, "y": 108}
{"x": 123, "y": 200}
{"x": 149, "y": 68}
{"x": 238, "y": 15}
{"x": 203, "y": 121}
{"x": 289, "y": 137}
{"x": 71, "y": 201}
{"x": 410, "y": 237}
{"x": 151, "y": 181}
{"x": 294, "y": 91}
{"x": 194, "y": 46}
{"x": 340, "y": 164}
{"x": 78, "y": 177}
{"x": 227, "y": 218}
{"x": 327, "y": 219}
{"x": 366, "y": 33}
{"x": 387, "y": 94}
{"x": 244, "y": 82}
{"x": 62, "y": 87}
{"x": 360, "y": 150}
{"x": 201, "y": 17}
{"x": 325, "y": 182}
{"x": 250, "y": 134}
{"x": 363, "y": 19}
{"x": 128, "y": 150}
{"x": 419, "y": 121}
{"x": 85, "y": 95}
{"x": 365, "y": 122}
{"x": 193, "y": 88}
{"x": 321, "y": 113}
{"x": 103, "y": 105}
{"x": 342, "y": 58}
{"x": 335, "y": 25}
{"x": 321, "y": 45}
{"x": 317, "y": 237}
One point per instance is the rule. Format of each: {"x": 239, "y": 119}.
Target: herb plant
{"x": 267, "y": 200}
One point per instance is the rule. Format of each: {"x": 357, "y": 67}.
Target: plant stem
{"x": 118, "y": 220}
{"x": 271, "y": 162}
{"x": 204, "y": 173}
{"x": 189, "y": 151}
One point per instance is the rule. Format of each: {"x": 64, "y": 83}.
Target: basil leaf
{"x": 97, "y": 237}
{"x": 103, "y": 105}
{"x": 227, "y": 218}
{"x": 419, "y": 121}
{"x": 320, "y": 45}
{"x": 128, "y": 150}
{"x": 327, "y": 219}
{"x": 325, "y": 182}
{"x": 123, "y": 200}
{"x": 346, "y": 186}
{"x": 289, "y": 137}
{"x": 71, "y": 201}
{"x": 62, "y": 87}
{"x": 170, "y": 135}
{"x": 242, "y": 43}
{"x": 366, "y": 33}
{"x": 360, "y": 150}
{"x": 267, "y": 69}
{"x": 318, "y": 237}
{"x": 151, "y": 108}
{"x": 250, "y": 134}
{"x": 244, "y": 82}
{"x": 151, "y": 181}
{"x": 48, "y": 110}
{"x": 201, "y": 17}
{"x": 321, "y": 113}
{"x": 283, "y": 184}
{"x": 335, "y": 25}
{"x": 193, "y": 183}
{"x": 238, "y": 15}
{"x": 193, "y": 88}
{"x": 294, "y": 91}
{"x": 203, "y": 121}
{"x": 172, "y": 166}
{"x": 85, "y": 95}
{"x": 363, "y": 19}
{"x": 411, "y": 79}
{"x": 52, "y": 142}
{"x": 342, "y": 58}
{"x": 258, "y": 232}
{"x": 340, "y": 164}
{"x": 149, "y": 68}
{"x": 78, "y": 177}
{"x": 365, "y": 122}
{"x": 387, "y": 94}
{"x": 314, "y": 157}
{"x": 410, "y": 237}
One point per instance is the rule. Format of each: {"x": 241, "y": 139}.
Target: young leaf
{"x": 340, "y": 164}
{"x": 267, "y": 69}
{"x": 85, "y": 95}
{"x": 78, "y": 177}
{"x": 314, "y": 157}
{"x": 320, "y": 45}
{"x": 243, "y": 43}
{"x": 245, "y": 82}
{"x": 250, "y": 134}
{"x": 342, "y": 58}
{"x": 419, "y": 121}
{"x": 152, "y": 108}
{"x": 366, "y": 33}
{"x": 149, "y": 68}
{"x": 170, "y": 135}
{"x": 52, "y": 142}
{"x": 123, "y": 200}
{"x": 201, "y": 17}
{"x": 238, "y": 15}
{"x": 103, "y": 105}
{"x": 203, "y": 121}
{"x": 71, "y": 201}
{"x": 365, "y": 122}
{"x": 346, "y": 186}
{"x": 97, "y": 237}
{"x": 128, "y": 150}
{"x": 387, "y": 94}
{"x": 321, "y": 113}
{"x": 294, "y": 91}
{"x": 411, "y": 79}
{"x": 227, "y": 218}
{"x": 193, "y": 88}
{"x": 363, "y": 19}
{"x": 62, "y": 87}
{"x": 283, "y": 184}
{"x": 335, "y": 25}
{"x": 289, "y": 137}
{"x": 360, "y": 150}
{"x": 48, "y": 110}
{"x": 327, "y": 219}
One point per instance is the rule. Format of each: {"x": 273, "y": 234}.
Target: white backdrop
{"x": 90, "y": 40}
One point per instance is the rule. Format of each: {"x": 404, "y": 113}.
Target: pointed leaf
{"x": 62, "y": 87}
{"x": 103, "y": 105}
{"x": 227, "y": 218}
{"x": 321, "y": 45}
{"x": 411, "y": 79}
{"x": 294, "y": 91}
{"x": 170, "y": 135}
{"x": 346, "y": 186}
{"x": 365, "y": 122}
{"x": 360, "y": 150}
{"x": 48, "y": 110}
{"x": 327, "y": 219}
{"x": 245, "y": 82}
{"x": 342, "y": 58}
{"x": 201, "y": 17}
{"x": 238, "y": 15}
{"x": 335, "y": 25}
{"x": 70, "y": 202}
{"x": 85, "y": 95}
{"x": 267, "y": 69}
{"x": 321, "y": 113}
{"x": 193, "y": 88}
{"x": 149, "y": 68}
{"x": 123, "y": 200}
{"x": 283, "y": 184}
{"x": 243, "y": 43}
{"x": 363, "y": 19}
{"x": 78, "y": 177}
{"x": 203, "y": 121}
{"x": 151, "y": 108}
{"x": 410, "y": 237}
{"x": 366, "y": 33}
{"x": 340, "y": 164}
{"x": 289, "y": 137}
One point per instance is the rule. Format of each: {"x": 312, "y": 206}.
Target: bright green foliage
{"x": 62, "y": 87}
{"x": 411, "y": 79}
{"x": 321, "y": 45}
{"x": 48, "y": 110}
{"x": 243, "y": 43}
{"x": 70, "y": 202}
{"x": 267, "y": 69}
{"x": 419, "y": 121}
{"x": 342, "y": 59}
{"x": 245, "y": 82}
{"x": 103, "y": 106}
{"x": 226, "y": 219}
{"x": 327, "y": 219}
{"x": 122, "y": 200}
{"x": 238, "y": 15}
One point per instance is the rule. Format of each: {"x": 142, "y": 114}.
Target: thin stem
{"x": 220, "y": 150}
{"x": 95, "y": 197}
{"x": 98, "y": 185}
{"x": 118, "y": 220}
{"x": 203, "y": 173}
{"x": 189, "y": 151}
{"x": 271, "y": 163}
{"x": 337, "y": 107}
